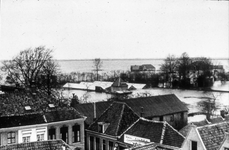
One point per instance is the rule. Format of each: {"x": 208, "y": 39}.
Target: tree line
{"x": 35, "y": 68}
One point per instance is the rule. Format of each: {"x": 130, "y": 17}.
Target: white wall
{"x": 192, "y": 136}
{"x": 32, "y": 132}
{"x": 226, "y": 143}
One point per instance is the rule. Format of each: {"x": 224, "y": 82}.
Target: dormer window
{"x": 102, "y": 126}
{"x": 27, "y": 108}
{"x": 51, "y": 106}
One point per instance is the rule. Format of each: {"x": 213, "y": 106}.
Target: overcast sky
{"x": 87, "y": 29}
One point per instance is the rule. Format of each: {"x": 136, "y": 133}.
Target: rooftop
{"x": 16, "y": 103}
{"x": 119, "y": 116}
{"x": 41, "y": 145}
{"x": 152, "y": 106}
{"x": 213, "y": 135}
{"x": 157, "y": 131}
{"x": 39, "y": 118}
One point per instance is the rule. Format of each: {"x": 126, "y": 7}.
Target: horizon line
{"x": 86, "y": 59}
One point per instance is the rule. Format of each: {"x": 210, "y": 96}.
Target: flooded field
{"x": 189, "y": 97}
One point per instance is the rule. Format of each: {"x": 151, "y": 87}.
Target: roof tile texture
{"x": 213, "y": 135}
{"x": 119, "y": 116}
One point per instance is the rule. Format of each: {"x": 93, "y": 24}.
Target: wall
{"x": 192, "y": 136}
{"x": 178, "y": 120}
{"x": 32, "y": 132}
{"x": 69, "y": 124}
{"x": 3, "y": 138}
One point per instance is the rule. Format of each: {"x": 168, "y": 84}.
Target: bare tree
{"x": 98, "y": 63}
{"x": 184, "y": 65}
{"x": 28, "y": 66}
{"x": 209, "y": 104}
{"x": 169, "y": 67}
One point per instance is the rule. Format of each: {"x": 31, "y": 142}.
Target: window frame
{"x": 53, "y": 135}
{"x": 11, "y": 138}
{"x": 40, "y": 136}
{"x": 76, "y": 129}
{"x": 191, "y": 144}
{"x": 26, "y": 139}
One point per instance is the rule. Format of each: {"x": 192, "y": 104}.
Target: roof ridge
{"x": 101, "y": 115}
{"x": 129, "y": 128}
{"x": 214, "y": 124}
{"x": 163, "y": 133}
{"x": 174, "y": 129}
{"x": 119, "y": 121}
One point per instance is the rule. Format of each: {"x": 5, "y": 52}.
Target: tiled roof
{"x": 152, "y": 106}
{"x": 156, "y": 131}
{"x": 155, "y": 146}
{"x": 185, "y": 130}
{"x": 156, "y": 105}
{"x": 21, "y": 120}
{"x": 119, "y": 116}
{"x": 213, "y": 135}
{"x": 14, "y": 103}
{"x": 216, "y": 120}
{"x": 87, "y": 109}
{"x": 39, "y": 118}
{"x": 41, "y": 145}
{"x": 62, "y": 114}
{"x": 201, "y": 123}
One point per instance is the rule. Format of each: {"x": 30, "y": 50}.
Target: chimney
{"x": 142, "y": 112}
{"x": 94, "y": 108}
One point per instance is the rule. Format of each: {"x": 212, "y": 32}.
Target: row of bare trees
{"x": 180, "y": 68}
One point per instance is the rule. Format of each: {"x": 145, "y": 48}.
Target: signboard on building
{"x": 134, "y": 140}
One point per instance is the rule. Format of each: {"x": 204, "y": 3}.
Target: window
{"x": 104, "y": 145}
{"x": 100, "y": 128}
{"x": 91, "y": 143}
{"x": 40, "y": 137}
{"x": 11, "y": 137}
{"x": 52, "y": 133}
{"x": 76, "y": 133}
{"x": 111, "y": 145}
{"x": 26, "y": 139}
{"x": 193, "y": 145}
{"x": 64, "y": 133}
{"x": 97, "y": 143}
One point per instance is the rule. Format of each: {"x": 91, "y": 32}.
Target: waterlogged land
{"x": 189, "y": 97}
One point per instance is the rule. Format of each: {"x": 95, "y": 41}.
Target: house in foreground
{"x": 159, "y": 108}
{"x": 25, "y": 119}
{"x": 119, "y": 127}
{"x": 65, "y": 124}
{"x": 206, "y": 137}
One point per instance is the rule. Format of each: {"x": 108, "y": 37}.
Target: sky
{"x": 116, "y": 29}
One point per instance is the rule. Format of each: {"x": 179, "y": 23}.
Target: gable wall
{"x": 192, "y": 136}
{"x": 225, "y": 144}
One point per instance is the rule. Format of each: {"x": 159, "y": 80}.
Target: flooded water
{"x": 189, "y": 97}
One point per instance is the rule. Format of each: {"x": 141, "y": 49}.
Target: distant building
{"x": 119, "y": 127}
{"x": 145, "y": 68}
{"x": 160, "y": 108}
